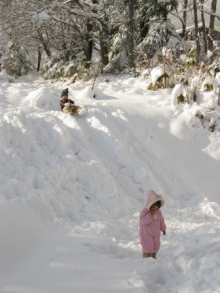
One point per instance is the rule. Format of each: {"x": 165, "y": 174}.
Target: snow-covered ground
{"x": 71, "y": 189}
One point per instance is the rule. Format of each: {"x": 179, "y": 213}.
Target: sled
{"x": 73, "y": 110}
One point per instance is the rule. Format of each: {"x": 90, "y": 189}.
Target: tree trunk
{"x": 196, "y": 31}
{"x": 212, "y": 24}
{"x": 185, "y": 5}
{"x": 39, "y": 54}
{"x": 131, "y": 34}
{"x": 89, "y": 44}
{"x": 204, "y": 27}
{"x": 104, "y": 49}
{"x": 44, "y": 43}
{"x": 104, "y": 37}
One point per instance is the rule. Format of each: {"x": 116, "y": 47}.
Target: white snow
{"x": 43, "y": 16}
{"x": 196, "y": 82}
{"x": 71, "y": 189}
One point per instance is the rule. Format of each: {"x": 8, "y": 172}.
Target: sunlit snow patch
{"x": 89, "y": 93}
{"x": 41, "y": 98}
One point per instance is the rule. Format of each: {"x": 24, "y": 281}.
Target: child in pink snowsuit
{"x": 151, "y": 224}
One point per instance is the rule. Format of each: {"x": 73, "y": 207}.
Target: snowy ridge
{"x": 72, "y": 189}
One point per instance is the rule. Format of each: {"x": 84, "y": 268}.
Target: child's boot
{"x": 146, "y": 255}
{"x": 154, "y": 255}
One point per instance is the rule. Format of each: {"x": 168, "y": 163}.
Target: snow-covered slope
{"x": 72, "y": 189}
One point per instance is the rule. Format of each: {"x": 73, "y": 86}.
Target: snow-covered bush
{"x": 178, "y": 95}
{"x": 207, "y": 84}
{"x": 196, "y": 82}
{"x": 191, "y": 61}
{"x": 217, "y": 78}
{"x": 217, "y": 87}
{"x": 210, "y": 120}
{"x": 58, "y": 67}
{"x": 16, "y": 60}
{"x": 159, "y": 37}
{"x": 158, "y": 79}
{"x": 118, "y": 56}
{"x": 183, "y": 58}
{"x": 194, "y": 88}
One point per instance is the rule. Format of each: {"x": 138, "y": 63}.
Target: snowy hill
{"x": 72, "y": 189}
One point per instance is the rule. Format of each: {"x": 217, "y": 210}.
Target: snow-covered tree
{"x": 16, "y": 61}
{"x": 153, "y": 10}
{"x": 161, "y": 35}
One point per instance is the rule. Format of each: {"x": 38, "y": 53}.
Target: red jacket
{"x": 63, "y": 102}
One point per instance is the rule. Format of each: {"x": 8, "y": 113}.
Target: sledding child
{"x": 67, "y": 105}
{"x": 151, "y": 224}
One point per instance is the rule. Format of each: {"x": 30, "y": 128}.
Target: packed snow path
{"x": 72, "y": 189}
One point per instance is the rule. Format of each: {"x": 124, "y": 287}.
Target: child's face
{"x": 64, "y": 98}
{"x": 154, "y": 207}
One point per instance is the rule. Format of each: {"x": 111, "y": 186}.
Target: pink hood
{"x": 152, "y": 197}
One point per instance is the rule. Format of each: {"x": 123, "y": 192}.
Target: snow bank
{"x": 91, "y": 93}
{"x": 42, "y": 98}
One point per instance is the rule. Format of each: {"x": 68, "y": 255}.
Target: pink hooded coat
{"x": 151, "y": 226}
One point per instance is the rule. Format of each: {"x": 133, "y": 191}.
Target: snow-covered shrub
{"x": 207, "y": 84}
{"x": 190, "y": 62}
{"x": 16, "y": 60}
{"x": 195, "y": 86}
{"x": 158, "y": 78}
{"x": 183, "y": 58}
{"x": 217, "y": 87}
{"x": 196, "y": 82}
{"x": 216, "y": 69}
{"x": 118, "y": 56}
{"x": 217, "y": 78}
{"x": 156, "y": 73}
{"x": 58, "y": 67}
{"x": 179, "y": 94}
{"x": 209, "y": 54}
{"x": 210, "y": 120}
{"x": 160, "y": 36}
